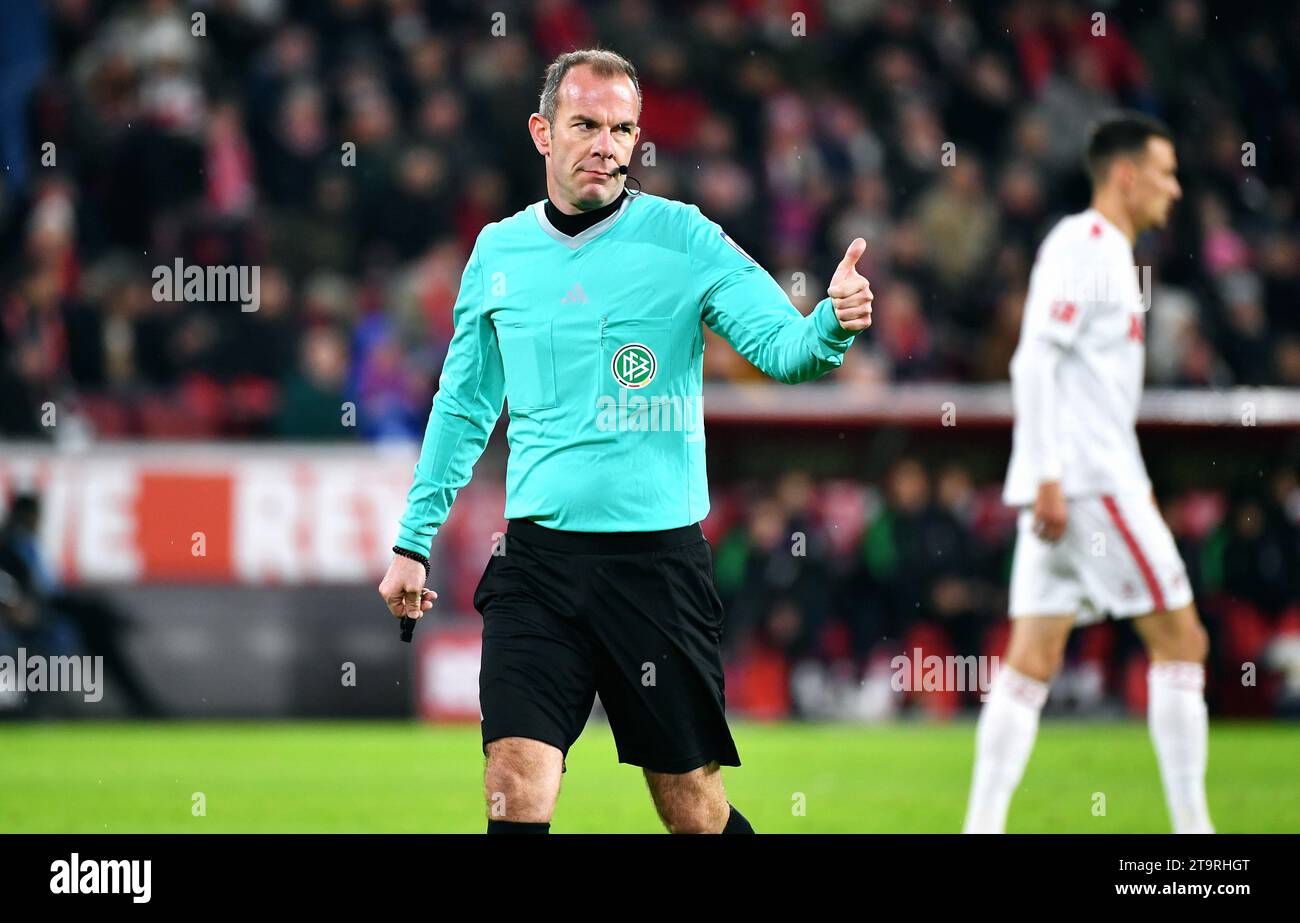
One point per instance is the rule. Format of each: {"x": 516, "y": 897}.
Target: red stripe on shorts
{"x": 1148, "y": 575}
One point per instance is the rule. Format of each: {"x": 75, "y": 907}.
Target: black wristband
{"x": 414, "y": 556}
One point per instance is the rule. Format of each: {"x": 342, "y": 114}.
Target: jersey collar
{"x": 577, "y": 240}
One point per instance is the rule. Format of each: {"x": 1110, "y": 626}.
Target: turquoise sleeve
{"x": 744, "y": 305}
{"x": 470, "y": 396}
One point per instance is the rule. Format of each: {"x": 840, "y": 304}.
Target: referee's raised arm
{"x": 470, "y": 396}
{"x": 745, "y": 306}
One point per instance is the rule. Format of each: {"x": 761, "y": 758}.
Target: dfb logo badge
{"x": 634, "y": 365}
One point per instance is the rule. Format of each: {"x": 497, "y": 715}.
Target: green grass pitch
{"x": 408, "y": 777}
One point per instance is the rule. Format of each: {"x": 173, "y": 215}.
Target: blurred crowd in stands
{"x": 352, "y": 149}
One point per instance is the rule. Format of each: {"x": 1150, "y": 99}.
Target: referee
{"x": 584, "y": 313}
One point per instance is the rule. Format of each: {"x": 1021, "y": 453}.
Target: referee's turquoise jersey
{"x": 594, "y": 342}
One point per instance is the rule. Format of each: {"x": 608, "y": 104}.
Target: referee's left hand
{"x": 850, "y": 292}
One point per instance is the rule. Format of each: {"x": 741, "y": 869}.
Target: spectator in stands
{"x": 314, "y": 405}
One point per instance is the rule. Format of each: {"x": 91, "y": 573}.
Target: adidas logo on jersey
{"x": 576, "y": 295}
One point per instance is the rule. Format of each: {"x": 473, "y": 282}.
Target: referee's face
{"x": 595, "y": 132}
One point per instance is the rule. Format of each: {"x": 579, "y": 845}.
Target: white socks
{"x": 1176, "y": 714}
{"x": 1008, "y": 724}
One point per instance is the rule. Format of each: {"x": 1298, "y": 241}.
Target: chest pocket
{"x": 635, "y": 352}
{"x": 528, "y": 360}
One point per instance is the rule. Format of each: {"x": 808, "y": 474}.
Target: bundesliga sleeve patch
{"x": 1063, "y": 311}
{"x": 737, "y": 247}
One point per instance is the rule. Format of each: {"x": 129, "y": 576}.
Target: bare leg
{"x": 522, "y": 780}
{"x": 690, "y": 802}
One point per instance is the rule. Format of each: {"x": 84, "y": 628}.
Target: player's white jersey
{"x": 1084, "y": 317}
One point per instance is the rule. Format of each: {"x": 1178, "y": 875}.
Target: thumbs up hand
{"x": 850, "y": 292}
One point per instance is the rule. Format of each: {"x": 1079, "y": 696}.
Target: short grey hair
{"x": 602, "y": 62}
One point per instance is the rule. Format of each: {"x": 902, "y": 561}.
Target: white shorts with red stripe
{"x": 1117, "y": 557}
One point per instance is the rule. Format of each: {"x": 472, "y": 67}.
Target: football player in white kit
{"x": 1090, "y": 537}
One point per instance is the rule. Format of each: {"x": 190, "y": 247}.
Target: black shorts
{"x": 633, "y": 616}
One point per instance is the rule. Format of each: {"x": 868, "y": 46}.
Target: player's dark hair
{"x": 1124, "y": 134}
{"x": 603, "y": 63}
